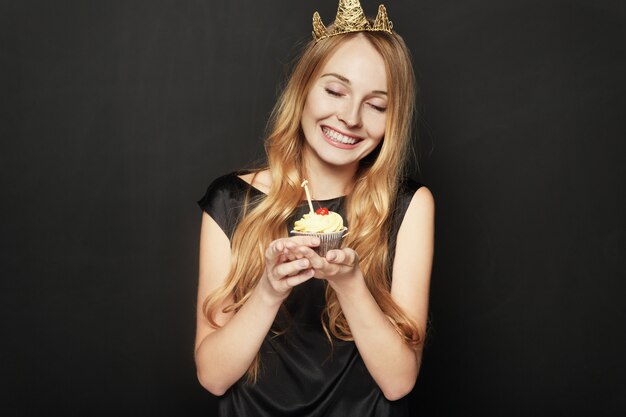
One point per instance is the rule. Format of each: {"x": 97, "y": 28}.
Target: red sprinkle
{"x": 322, "y": 211}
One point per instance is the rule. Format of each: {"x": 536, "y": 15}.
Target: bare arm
{"x": 392, "y": 363}
{"x": 224, "y": 355}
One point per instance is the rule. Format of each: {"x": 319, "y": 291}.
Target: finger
{"x": 298, "y": 252}
{"x": 304, "y": 251}
{"x": 335, "y": 256}
{"x": 287, "y": 253}
{"x": 293, "y": 253}
{"x": 345, "y": 256}
{"x": 291, "y": 268}
{"x": 352, "y": 258}
{"x": 310, "y": 241}
{"x": 289, "y": 244}
{"x": 298, "y": 279}
{"x": 316, "y": 261}
{"x": 290, "y": 256}
{"x": 273, "y": 252}
{"x": 281, "y": 258}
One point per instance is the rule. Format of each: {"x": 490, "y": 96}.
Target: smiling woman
{"x": 345, "y": 107}
{"x": 282, "y": 330}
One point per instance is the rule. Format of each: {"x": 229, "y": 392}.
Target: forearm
{"x": 392, "y": 363}
{"x": 225, "y": 355}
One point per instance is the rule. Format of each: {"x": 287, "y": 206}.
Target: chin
{"x": 337, "y": 160}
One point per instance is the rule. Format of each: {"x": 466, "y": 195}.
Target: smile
{"x": 338, "y": 137}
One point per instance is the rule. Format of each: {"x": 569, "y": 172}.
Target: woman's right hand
{"x": 283, "y": 269}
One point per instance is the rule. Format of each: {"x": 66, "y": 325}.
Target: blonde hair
{"x": 368, "y": 207}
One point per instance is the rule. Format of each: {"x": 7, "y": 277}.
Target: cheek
{"x": 311, "y": 114}
{"x": 315, "y": 106}
{"x": 307, "y": 114}
{"x": 377, "y": 130}
{"x": 307, "y": 117}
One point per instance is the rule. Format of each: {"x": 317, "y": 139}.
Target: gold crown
{"x": 350, "y": 18}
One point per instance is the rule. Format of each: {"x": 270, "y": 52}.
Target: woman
{"x": 280, "y": 329}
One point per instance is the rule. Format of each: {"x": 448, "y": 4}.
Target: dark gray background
{"x": 116, "y": 115}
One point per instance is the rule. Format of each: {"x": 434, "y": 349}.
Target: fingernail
{"x": 315, "y": 241}
{"x": 303, "y": 263}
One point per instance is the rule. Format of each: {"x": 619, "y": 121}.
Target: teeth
{"x": 338, "y": 137}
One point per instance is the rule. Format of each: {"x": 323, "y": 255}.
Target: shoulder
{"x": 420, "y": 211}
{"x": 414, "y": 200}
{"x": 227, "y": 183}
{"x": 422, "y": 206}
{"x": 408, "y": 191}
{"x": 227, "y": 188}
{"x": 223, "y": 195}
{"x": 423, "y": 197}
{"x": 225, "y": 199}
{"x": 417, "y": 196}
{"x": 260, "y": 180}
{"x": 408, "y": 187}
{"x": 411, "y": 190}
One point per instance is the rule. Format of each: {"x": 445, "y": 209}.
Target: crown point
{"x": 319, "y": 30}
{"x": 350, "y": 17}
{"x": 382, "y": 20}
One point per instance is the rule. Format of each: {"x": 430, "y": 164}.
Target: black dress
{"x": 301, "y": 375}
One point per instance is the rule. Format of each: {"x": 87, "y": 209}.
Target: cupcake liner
{"x": 328, "y": 241}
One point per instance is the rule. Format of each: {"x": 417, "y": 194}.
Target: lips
{"x": 339, "y": 139}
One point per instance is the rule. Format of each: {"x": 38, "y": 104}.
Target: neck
{"x": 328, "y": 181}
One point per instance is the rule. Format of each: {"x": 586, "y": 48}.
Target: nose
{"x": 350, "y": 115}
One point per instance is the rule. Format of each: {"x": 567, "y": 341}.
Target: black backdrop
{"x": 116, "y": 115}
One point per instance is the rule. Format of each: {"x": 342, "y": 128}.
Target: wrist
{"x": 267, "y": 295}
{"x": 349, "y": 284}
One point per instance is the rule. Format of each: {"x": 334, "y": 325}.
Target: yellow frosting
{"x": 317, "y": 223}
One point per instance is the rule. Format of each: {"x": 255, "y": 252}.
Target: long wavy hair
{"x": 368, "y": 208}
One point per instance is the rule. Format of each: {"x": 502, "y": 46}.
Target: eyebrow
{"x": 347, "y": 81}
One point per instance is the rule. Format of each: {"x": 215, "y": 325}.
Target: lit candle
{"x": 308, "y": 196}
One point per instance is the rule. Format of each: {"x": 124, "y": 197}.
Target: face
{"x": 345, "y": 111}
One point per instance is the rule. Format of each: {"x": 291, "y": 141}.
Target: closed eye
{"x": 333, "y": 93}
{"x": 378, "y": 108}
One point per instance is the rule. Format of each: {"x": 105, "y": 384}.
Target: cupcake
{"x": 326, "y": 225}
